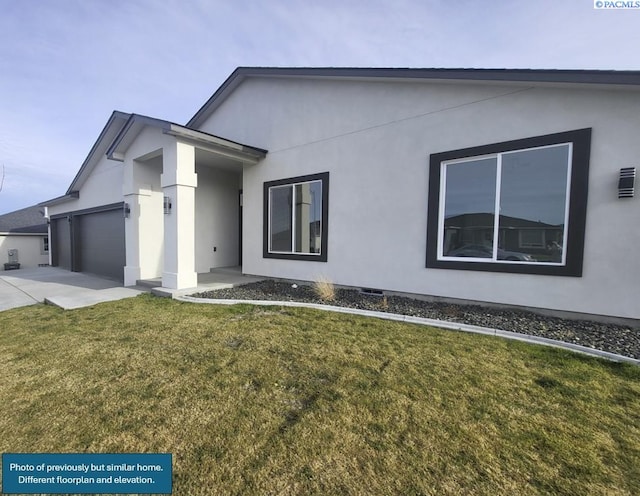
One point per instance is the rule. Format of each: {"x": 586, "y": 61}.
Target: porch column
{"x": 134, "y": 195}
{"x": 179, "y": 181}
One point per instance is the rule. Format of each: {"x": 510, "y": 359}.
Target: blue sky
{"x": 65, "y": 65}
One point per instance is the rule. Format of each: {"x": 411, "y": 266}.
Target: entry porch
{"x": 183, "y": 202}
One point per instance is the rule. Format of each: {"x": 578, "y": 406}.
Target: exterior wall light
{"x": 127, "y": 210}
{"x": 167, "y": 205}
{"x": 626, "y": 182}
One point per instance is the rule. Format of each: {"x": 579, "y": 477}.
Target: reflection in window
{"x": 296, "y": 218}
{"x": 526, "y": 224}
{"x": 281, "y": 227}
{"x": 533, "y": 200}
{"x": 532, "y": 238}
{"x": 469, "y": 208}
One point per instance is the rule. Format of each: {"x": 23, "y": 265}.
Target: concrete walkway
{"x": 69, "y": 290}
{"x": 55, "y": 286}
{"x": 220, "y": 278}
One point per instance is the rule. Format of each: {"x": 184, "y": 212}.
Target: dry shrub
{"x": 384, "y": 303}
{"x": 324, "y": 289}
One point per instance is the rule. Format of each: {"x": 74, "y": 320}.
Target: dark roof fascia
{"x": 114, "y": 115}
{"x": 73, "y": 195}
{"x": 526, "y": 75}
{"x": 177, "y": 130}
{"x": 552, "y": 76}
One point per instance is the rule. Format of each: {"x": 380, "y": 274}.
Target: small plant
{"x": 324, "y": 289}
{"x": 384, "y": 303}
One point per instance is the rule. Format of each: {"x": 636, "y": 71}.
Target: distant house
{"x": 479, "y": 185}
{"x": 541, "y": 241}
{"x": 24, "y": 238}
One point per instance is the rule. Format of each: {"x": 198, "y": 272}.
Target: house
{"x": 24, "y": 239}
{"x": 379, "y": 178}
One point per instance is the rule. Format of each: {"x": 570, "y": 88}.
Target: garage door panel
{"x": 61, "y": 242}
{"x": 101, "y": 243}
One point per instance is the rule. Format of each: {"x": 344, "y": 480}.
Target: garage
{"x": 91, "y": 241}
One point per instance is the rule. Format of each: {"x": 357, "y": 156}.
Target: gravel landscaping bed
{"x": 613, "y": 338}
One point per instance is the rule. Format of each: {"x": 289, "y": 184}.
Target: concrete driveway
{"x": 58, "y": 287}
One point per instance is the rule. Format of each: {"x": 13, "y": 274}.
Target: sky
{"x": 65, "y": 65}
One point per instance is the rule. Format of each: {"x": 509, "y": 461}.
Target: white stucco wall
{"x": 375, "y": 139}
{"x": 29, "y": 246}
{"x": 217, "y": 222}
{"x": 102, "y": 187}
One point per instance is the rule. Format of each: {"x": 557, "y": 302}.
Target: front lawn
{"x": 274, "y": 400}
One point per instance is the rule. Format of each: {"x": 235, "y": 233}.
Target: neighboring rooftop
{"x": 26, "y": 220}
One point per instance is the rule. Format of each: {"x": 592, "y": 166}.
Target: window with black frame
{"x": 296, "y": 212}
{"x": 516, "y": 206}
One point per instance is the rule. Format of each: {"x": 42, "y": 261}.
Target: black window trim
{"x": 322, "y": 256}
{"x": 581, "y": 140}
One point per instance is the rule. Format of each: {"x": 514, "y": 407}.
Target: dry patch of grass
{"x": 255, "y": 400}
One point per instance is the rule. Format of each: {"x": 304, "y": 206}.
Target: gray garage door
{"x": 100, "y": 243}
{"x": 61, "y": 242}
{"x": 92, "y": 242}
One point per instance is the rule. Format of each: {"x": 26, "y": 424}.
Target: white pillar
{"x": 134, "y": 194}
{"x": 131, "y": 226}
{"x": 179, "y": 182}
{"x": 132, "y": 244}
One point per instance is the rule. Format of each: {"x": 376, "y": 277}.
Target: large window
{"x": 295, "y": 218}
{"x": 517, "y": 206}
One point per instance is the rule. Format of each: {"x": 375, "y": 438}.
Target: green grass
{"x": 270, "y": 400}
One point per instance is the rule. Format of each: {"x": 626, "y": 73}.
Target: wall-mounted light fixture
{"x": 127, "y": 210}
{"x": 626, "y": 182}
{"x": 167, "y": 205}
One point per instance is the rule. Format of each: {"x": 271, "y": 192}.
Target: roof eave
{"x": 135, "y": 122}
{"x": 215, "y": 141}
{"x": 72, "y": 195}
{"x": 118, "y": 148}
